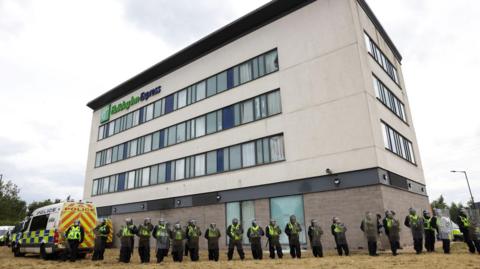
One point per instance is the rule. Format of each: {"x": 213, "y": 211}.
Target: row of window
{"x": 252, "y": 69}
{"x": 397, "y": 143}
{"x": 381, "y": 59}
{"x": 257, "y": 152}
{"x": 389, "y": 99}
{"x": 253, "y": 109}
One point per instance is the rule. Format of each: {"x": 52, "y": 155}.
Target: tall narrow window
{"x": 245, "y": 72}
{"x": 200, "y": 126}
{"x": 248, "y": 154}
{"x": 276, "y": 148}
{"x": 247, "y": 111}
{"x": 182, "y": 99}
{"x": 212, "y": 162}
{"x": 201, "y": 90}
{"x": 271, "y": 62}
{"x": 235, "y": 157}
{"x": 274, "y": 104}
{"x": 179, "y": 169}
{"x": 200, "y": 165}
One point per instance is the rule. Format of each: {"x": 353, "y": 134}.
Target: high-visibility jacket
{"x": 294, "y": 228}
{"x": 235, "y": 232}
{"x": 103, "y": 230}
{"x": 273, "y": 230}
{"x": 465, "y": 221}
{"x": 127, "y": 232}
{"x": 212, "y": 233}
{"x": 427, "y": 225}
{"x": 338, "y": 228}
{"x": 254, "y": 231}
{"x": 161, "y": 231}
{"x": 74, "y": 233}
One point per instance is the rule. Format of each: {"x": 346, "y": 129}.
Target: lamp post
{"x": 468, "y": 184}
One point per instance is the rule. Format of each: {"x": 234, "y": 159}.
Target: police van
{"x": 44, "y": 232}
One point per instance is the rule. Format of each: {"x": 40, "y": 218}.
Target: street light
{"x": 468, "y": 183}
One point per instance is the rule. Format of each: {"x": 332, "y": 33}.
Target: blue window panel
{"x": 125, "y": 150}
{"x": 141, "y": 115}
{"x": 227, "y": 118}
{"x": 121, "y": 182}
{"x": 162, "y": 139}
{"x": 168, "y": 171}
{"x": 229, "y": 78}
{"x": 169, "y": 104}
{"x": 219, "y": 160}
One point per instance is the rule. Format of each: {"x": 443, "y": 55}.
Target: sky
{"x": 56, "y": 55}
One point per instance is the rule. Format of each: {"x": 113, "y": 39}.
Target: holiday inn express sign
{"x": 112, "y": 109}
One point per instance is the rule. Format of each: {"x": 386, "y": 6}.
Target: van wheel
{"x": 43, "y": 253}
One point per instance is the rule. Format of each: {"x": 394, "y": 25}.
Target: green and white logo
{"x": 105, "y": 114}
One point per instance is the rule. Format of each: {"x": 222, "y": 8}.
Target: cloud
{"x": 181, "y": 22}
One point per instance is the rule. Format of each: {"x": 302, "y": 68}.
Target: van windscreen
{"x": 39, "y": 223}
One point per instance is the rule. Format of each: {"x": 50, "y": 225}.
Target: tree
{"x": 439, "y": 203}
{"x": 455, "y": 210}
{"x": 12, "y": 208}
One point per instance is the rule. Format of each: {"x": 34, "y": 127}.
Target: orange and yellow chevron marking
{"x": 88, "y": 219}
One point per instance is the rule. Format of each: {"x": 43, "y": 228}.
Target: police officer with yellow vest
{"x": 429, "y": 229}
{"x": 392, "y": 230}
{"x": 338, "y": 231}
{"x": 75, "y": 235}
{"x": 415, "y": 223}
{"x": 144, "y": 233}
{"x": 293, "y": 230}
{"x": 315, "y": 233}
{"x": 162, "y": 234}
{"x": 126, "y": 234}
{"x": 101, "y": 234}
{"x": 212, "y": 234}
{"x": 470, "y": 234}
{"x": 254, "y": 234}
{"x": 177, "y": 235}
{"x": 235, "y": 235}
{"x": 193, "y": 234}
{"x": 273, "y": 234}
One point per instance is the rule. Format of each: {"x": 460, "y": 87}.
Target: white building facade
{"x": 299, "y": 107}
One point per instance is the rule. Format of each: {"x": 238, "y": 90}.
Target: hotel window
{"x": 221, "y": 160}
{"x": 156, "y": 141}
{"x": 282, "y": 208}
{"x": 200, "y": 127}
{"x": 179, "y": 169}
{"x": 172, "y": 135}
{"x": 211, "y": 122}
{"x": 389, "y": 99}
{"x": 222, "y": 82}
{"x": 248, "y": 154}
{"x": 180, "y": 132}
{"x": 147, "y": 144}
{"x": 200, "y": 165}
{"x": 397, "y": 144}
{"x": 182, "y": 99}
{"x": 212, "y": 162}
{"x": 271, "y": 62}
{"x": 201, "y": 90}
{"x": 274, "y": 103}
{"x": 244, "y": 212}
{"x": 211, "y": 86}
{"x": 381, "y": 58}
{"x": 149, "y": 112}
{"x": 247, "y": 111}
{"x": 95, "y": 187}
{"x": 245, "y": 72}
{"x": 235, "y": 157}
{"x": 133, "y": 148}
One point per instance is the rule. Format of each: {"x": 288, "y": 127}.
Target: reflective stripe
{"x": 212, "y": 233}
{"x": 144, "y": 231}
{"x": 427, "y": 224}
{"x": 192, "y": 232}
{"x": 161, "y": 231}
{"x": 178, "y": 235}
{"x": 126, "y": 231}
{"x": 413, "y": 219}
{"x": 254, "y": 231}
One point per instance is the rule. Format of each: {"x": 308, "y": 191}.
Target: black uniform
{"x": 126, "y": 234}
{"x": 469, "y": 235}
{"x": 193, "y": 233}
{"x": 273, "y": 235}
{"x": 212, "y": 236}
{"x": 314, "y": 234}
{"x": 177, "y": 236}
{"x": 74, "y": 241}
{"x": 254, "y": 235}
{"x": 429, "y": 229}
{"x": 144, "y": 233}
{"x": 415, "y": 223}
{"x": 338, "y": 232}
{"x": 234, "y": 233}
{"x": 101, "y": 234}
{"x": 392, "y": 230}
{"x": 293, "y": 232}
